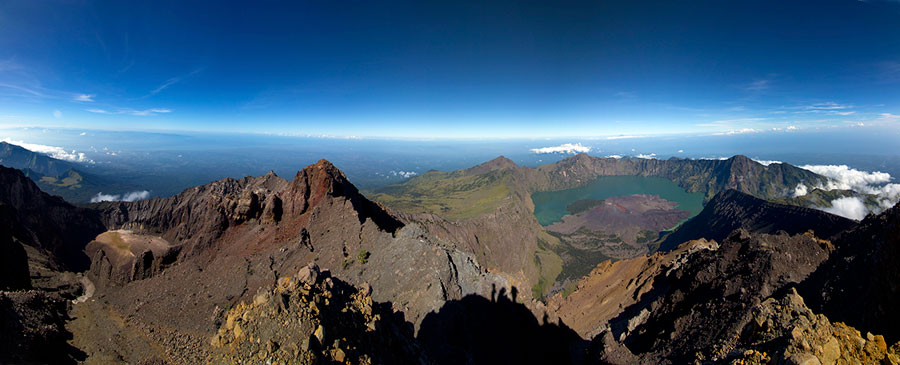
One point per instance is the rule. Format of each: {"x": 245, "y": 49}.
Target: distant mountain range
{"x": 59, "y": 177}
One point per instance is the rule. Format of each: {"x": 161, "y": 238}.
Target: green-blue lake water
{"x": 550, "y": 206}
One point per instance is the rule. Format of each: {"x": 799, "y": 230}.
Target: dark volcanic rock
{"x": 199, "y": 216}
{"x": 698, "y": 311}
{"x": 14, "y": 272}
{"x": 48, "y": 223}
{"x": 860, "y": 283}
{"x": 731, "y": 210}
{"x": 32, "y": 329}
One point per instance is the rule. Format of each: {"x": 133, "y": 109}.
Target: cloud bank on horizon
{"x": 127, "y": 197}
{"x": 565, "y": 148}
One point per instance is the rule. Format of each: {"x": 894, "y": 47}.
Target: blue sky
{"x": 456, "y": 69}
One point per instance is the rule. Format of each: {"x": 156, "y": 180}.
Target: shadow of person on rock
{"x": 478, "y": 330}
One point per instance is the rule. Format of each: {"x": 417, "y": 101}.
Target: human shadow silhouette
{"x": 496, "y": 330}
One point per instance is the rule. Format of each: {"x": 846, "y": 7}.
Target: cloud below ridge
{"x": 127, "y": 197}
{"x": 842, "y": 177}
{"x": 52, "y": 151}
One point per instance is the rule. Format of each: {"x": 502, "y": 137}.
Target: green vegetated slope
{"x": 58, "y": 177}
{"x": 498, "y": 189}
{"x": 452, "y": 195}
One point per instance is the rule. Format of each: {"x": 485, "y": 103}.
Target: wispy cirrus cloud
{"x": 84, "y": 97}
{"x": 141, "y": 113}
{"x": 828, "y": 107}
{"x": 171, "y": 81}
{"x": 759, "y": 85}
{"x": 24, "y": 89}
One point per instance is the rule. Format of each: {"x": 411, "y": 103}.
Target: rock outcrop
{"x": 312, "y": 318}
{"x": 785, "y": 330}
{"x": 698, "y": 310}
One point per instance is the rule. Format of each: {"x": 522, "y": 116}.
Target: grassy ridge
{"x": 549, "y": 263}
{"x": 452, "y": 195}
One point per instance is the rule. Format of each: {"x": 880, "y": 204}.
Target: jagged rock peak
{"x": 323, "y": 178}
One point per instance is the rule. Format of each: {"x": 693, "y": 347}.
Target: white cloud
{"x": 680, "y": 151}
{"x": 147, "y": 112}
{"x": 136, "y": 195}
{"x": 57, "y": 114}
{"x": 404, "y": 174}
{"x": 759, "y": 85}
{"x": 52, "y": 151}
{"x": 84, "y": 97}
{"x": 622, "y": 137}
{"x": 651, "y": 156}
{"x": 766, "y": 162}
{"x": 569, "y": 148}
{"x": 142, "y": 113}
{"x": 127, "y": 197}
{"x": 842, "y": 177}
{"x": 83, "y": 134}
{"x": 791, "y": 128}
{"x": 800, "y": 190}
{"x": 848, "y": 207}
{"x": 614, "y": 156}
{"x": 742, "y": 131}
{"x": 889, "y": 118}
{"x": 830, "y": 105}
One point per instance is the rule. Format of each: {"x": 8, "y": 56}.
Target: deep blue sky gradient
{"x": 468, "y": 69}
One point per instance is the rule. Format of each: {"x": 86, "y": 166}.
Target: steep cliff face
{"x": 48, "y": 223}
{"x": 613, "y": 286}
{"x": 859, "y": 283}
{"x": 198, "y": 216}
{"x": 14, "y": 273}
{"x": 731, "y": 210}
{"x": 707, "y": 176}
